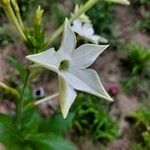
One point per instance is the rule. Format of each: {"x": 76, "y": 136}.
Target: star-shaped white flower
{"x": 86, "y": 30}
{"x": 70, "y": 64}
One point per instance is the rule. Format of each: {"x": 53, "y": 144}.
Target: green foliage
{"x": 138, "y": 58}
{"x": 5, "y": 36}
{"x": 141, "y": 124}
{"x": 9, "y": 136}
{"x": 49, "y": 141}
{"x": 142, "y": 117}
{"x": 138, "y": 64}
{"x": 35, "y": 39}
{"x": 102, "y": 18}
{"x": 57, "y": 124}
{"x": 36, "y": 132}
{"x": 58, "y": 17}
{"x": 26, "y": 6}
{"x": 92, "y": 119}
{"x": 18, "y": 66}
{"x": 144, "y": 20}
{"x": 141, "y": 2}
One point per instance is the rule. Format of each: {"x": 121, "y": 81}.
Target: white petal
{"x": 46, "y": 59}
{"x": 97, "y": 39}
{"x": 67, "y": 96}
{"x": 86, "y": 54}
{"x": 68, "y": 43}
{"x": 87, "y": 29}
{"x": 86, "y": 80}
{"x": 76, "y": 27}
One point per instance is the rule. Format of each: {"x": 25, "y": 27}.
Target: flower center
{"x": 64, "y": 65}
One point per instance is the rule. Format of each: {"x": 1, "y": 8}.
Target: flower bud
{"x": 4, "y": 3}
{"x": 38, "y": 16}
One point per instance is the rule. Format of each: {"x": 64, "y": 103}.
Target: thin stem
{"x": 17, "y": 12}
{"x": 32, "y": 104}
{"x": 82, "y": 10}
{"x": 20, "y": 102}
{"x": 9, "y": 89}
{"x": 46, "y": 99}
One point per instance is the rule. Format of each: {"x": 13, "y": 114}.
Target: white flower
{"x": 70, "y": 64}
{"x": 86, "y": 30}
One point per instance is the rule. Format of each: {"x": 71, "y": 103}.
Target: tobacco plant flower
{"x": 71, "y": 64}
{"x": 86, "y": 31}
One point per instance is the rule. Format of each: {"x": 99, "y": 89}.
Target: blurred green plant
{"x": 102, "y": 17}
{"x": 37, "y": 132}
{"x": 145, "y": 22}
{"x": 141, "y": 2}
{"x": 58, "y": 17}
{"x": 143, "y": 8}
{"x": 5, "y": 36}
{"x": 138, "y": 65}
{"x": 91, "y": 119}
{"x": 141, "y": 124}
{"x": 138, "y": 59}
{"x": 26, "y": 6}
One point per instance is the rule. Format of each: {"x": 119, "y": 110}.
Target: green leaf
{"x": 28, "y": 96}
{"x": 49, "y": 141}
{"x": 9, "y": 136}
{"x": 31, "y": 120}
{"x": 20, "y": 67}
{"x": 57, "y": 124}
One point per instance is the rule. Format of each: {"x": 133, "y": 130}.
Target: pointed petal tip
{"x": 64, "y": 112}
{"x": 64, "y": 115}
{"x": 67, "y": 21}
{"x": 28, "y": 56}
{"x": 109, "y": 98}
{"x": 107, "y": 45}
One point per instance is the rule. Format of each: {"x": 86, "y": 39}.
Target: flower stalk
{"x": 20, "y": 102}
{"x": 46, "y": 99}
{"x": 9, "y": 89}
{"x": 17, "y": 12}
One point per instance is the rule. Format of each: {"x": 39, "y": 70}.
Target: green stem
{"x": 46, "y": 99}
{"x": 42, "y": 100}
{"x": 12, "y": 18}
{"x": 82, "y": 10}
{"x": 20, "y": 102}
{"x": 9, "y": 89}
{"x": 17, "y": 12}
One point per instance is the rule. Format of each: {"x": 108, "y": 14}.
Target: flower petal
{"x": 86, "y": 80}
{"x": 46, "y": 59}
{"x": 86, "y": 54}
{"x": 76, "y": 27}
{"x": 87, "y": 30}
{"x": 68, "y": 43}
{"x": 67, "y": 96}
{"x": 96, "y": 39}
